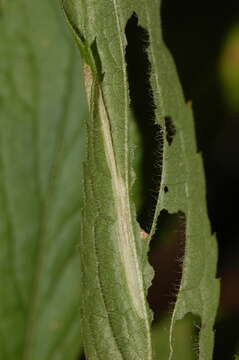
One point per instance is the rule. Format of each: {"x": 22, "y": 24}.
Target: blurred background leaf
{"x": 229, "y": 69}
{"x": 42, "y": 112}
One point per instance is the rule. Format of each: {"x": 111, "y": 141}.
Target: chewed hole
{"x": 165, "y": 189}
{"x": 166, "y": 257}
{"x": 170, "y": 129}
{"x": 146, "y": 135}
{"x": 186, "y": 337}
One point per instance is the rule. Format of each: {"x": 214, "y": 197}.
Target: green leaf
{"x": 116, "y": 318}
{"x": 183, "y": 175}
{"x": 42, "y": 113}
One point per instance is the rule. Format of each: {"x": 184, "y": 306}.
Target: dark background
{"x": 195, "y": 36}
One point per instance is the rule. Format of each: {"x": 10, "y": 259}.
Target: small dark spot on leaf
{"x": 165, "y": 189}
{"x": 170, "y": 129}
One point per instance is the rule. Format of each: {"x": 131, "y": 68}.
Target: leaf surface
{"x": 42, "y": 113}
{"x": 114, "y": 257}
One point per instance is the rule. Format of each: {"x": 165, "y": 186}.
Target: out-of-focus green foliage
{"x": 229, "y": 69}
{"x": 42, "y": 112}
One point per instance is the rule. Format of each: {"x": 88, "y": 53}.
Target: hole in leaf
{"x": 186, "y": 337}
{"x": 165, "y": 189}
{"x": 144, "y": 132}
{"x": 166, "y": 257}
{"x": 170, "y": 129}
